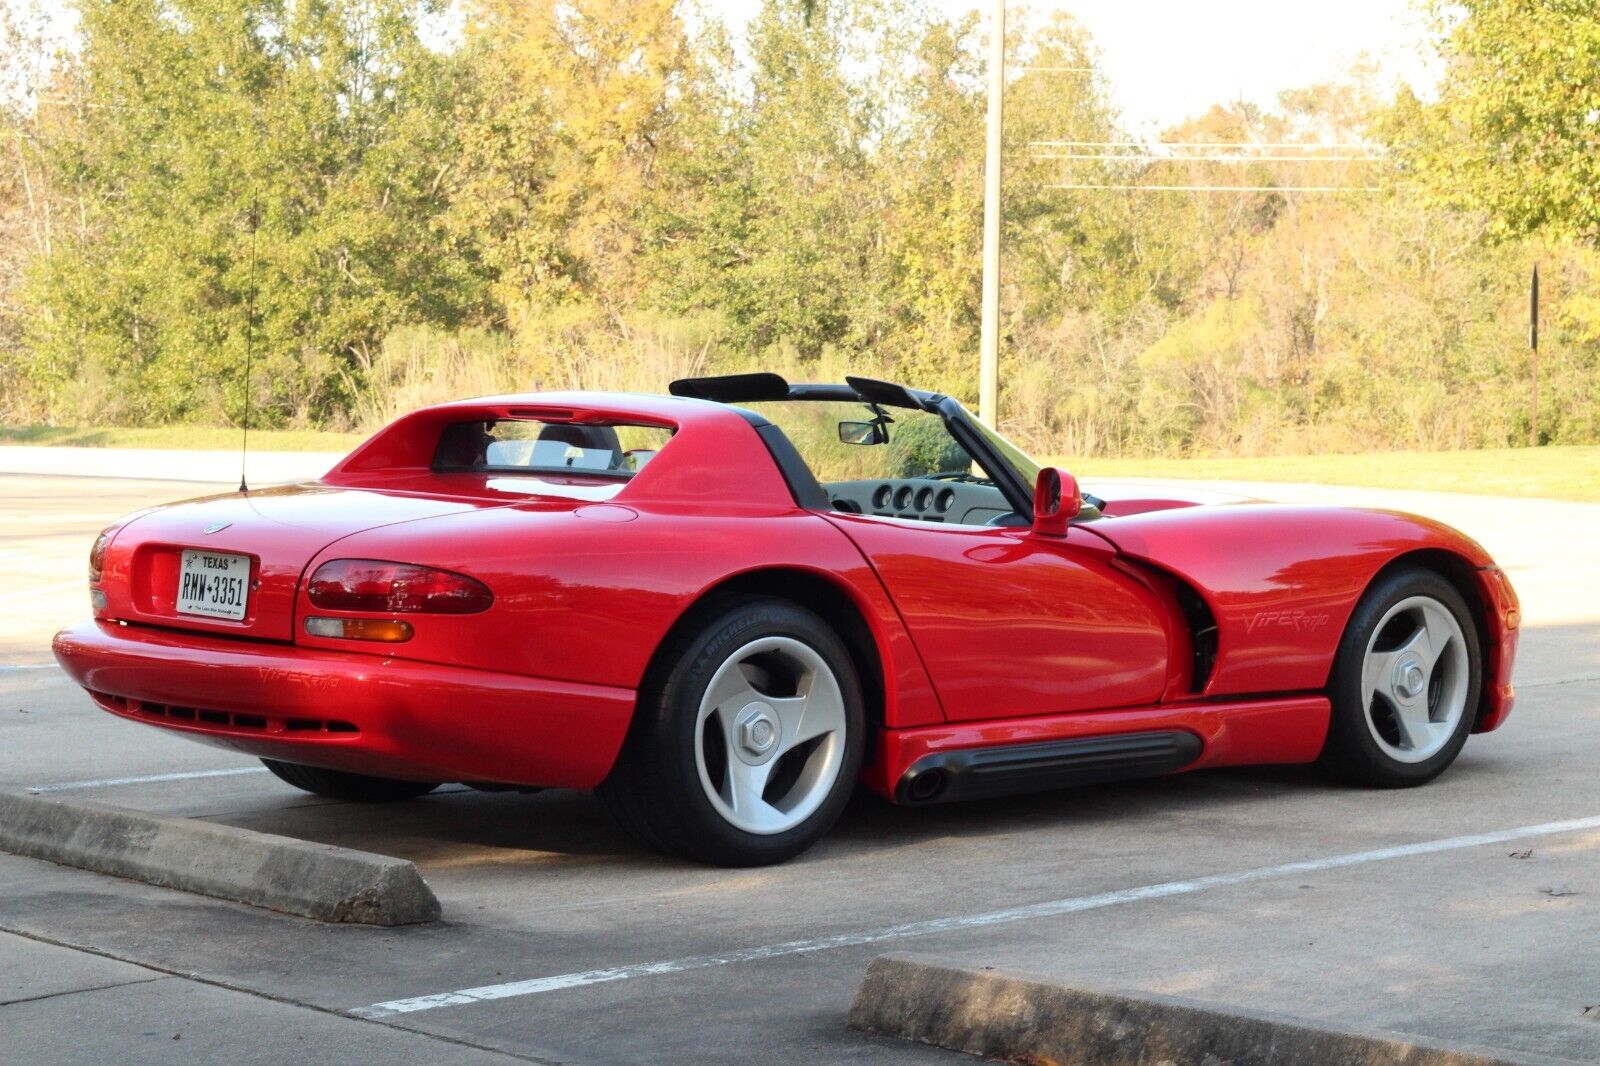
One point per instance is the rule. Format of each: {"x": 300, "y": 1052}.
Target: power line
{"x": 1227, "y": 188}
{"x": 1239, "y": 146}
{"x": 1135, "y": 158}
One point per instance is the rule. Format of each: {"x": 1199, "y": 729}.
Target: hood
{"x": 1131, "y": 496}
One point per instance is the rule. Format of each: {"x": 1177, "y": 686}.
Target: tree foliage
{"x": 213, "y": 150}
{"x": 1516, "y": 129}
{"x": 612, "y": 193}
{"x": 569, "y": 108}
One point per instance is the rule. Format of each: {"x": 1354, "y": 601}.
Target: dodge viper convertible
{"x": 723, "y": 608}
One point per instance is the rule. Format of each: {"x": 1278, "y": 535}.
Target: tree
{"x": 611, "y": 194}
{"x": 571, "y": 106}
{"x": 30, "y": 201}
{"x": 229, "y": 148}
{"x": 1516, "y": 129}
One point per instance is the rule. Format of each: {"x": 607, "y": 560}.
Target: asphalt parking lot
{"x": 1469, "y": 909}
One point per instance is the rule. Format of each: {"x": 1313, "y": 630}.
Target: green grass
{"x": 1561, "y": 473}
{"x": 199, "y": 438}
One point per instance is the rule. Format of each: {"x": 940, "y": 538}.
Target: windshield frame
{"x": 1022, "y": 464}
{"x": 993, "y": 453}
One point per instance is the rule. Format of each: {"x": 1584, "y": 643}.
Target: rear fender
{"x": 590, "y": 594}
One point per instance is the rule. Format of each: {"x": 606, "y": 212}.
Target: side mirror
{"x": 1056, "y": 502}
{"x": 863, "y": 433}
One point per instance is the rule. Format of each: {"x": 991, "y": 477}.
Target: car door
{"x": 1010, "y": 623}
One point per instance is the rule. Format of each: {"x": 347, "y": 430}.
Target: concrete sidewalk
{"x": 62, "y": 1005}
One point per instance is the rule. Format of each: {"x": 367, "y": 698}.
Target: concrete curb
{"x": 1018, "y": 1017}
{"x": 320, "y": 881}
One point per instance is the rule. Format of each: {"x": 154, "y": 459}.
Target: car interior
{"x": 958, "y": 498}
{"x": 547, "y": 447}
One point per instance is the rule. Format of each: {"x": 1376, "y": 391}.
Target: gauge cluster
{"x": 920, "y": 499}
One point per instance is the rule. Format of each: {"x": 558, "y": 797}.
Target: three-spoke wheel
{"x": 745, "y": 749}
{"x": 1405, "y": 682}
{"x": 771, "y": 728}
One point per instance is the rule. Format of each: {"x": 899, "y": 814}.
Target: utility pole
{"x": 989, "y": 343}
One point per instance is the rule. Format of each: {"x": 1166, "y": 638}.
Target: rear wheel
{"x": 336, "y": 784}
{"x": 747, "y": 750}
{"x": 1405, "y": 682}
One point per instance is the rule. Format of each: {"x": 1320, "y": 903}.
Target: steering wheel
{"x": 962, "y": 476}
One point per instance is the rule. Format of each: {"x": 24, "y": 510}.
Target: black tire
{"x": 336, "y": 784}
{"x": 1352, "y": 752}
{"x": 655, "y": 790}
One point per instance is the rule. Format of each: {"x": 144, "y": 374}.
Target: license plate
{"x": 214, "y": 585}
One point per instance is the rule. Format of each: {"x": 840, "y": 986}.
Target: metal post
{"x": 989, "y": 344}
{"x": 1533, "y": 344}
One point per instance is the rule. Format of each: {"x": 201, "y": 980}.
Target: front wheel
{"x": 337, "y": 784}
{"x": 1405, "y": 682}
{"x": 747, "y": 750}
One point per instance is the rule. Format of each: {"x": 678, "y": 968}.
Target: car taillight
{"x": 97, "y": 554}
{"x": 393, "y": 588}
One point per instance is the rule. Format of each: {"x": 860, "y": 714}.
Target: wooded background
{"x": 612, "y": 193}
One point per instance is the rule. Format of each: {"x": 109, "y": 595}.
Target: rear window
{"x": 611, "y": 451}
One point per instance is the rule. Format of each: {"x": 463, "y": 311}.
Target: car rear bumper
{"x": 354, "y": 712}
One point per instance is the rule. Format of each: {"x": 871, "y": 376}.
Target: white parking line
{"x": 1048, "y": 909}
{"x": 106, "y": 782}
{"x": 6, "y": 669}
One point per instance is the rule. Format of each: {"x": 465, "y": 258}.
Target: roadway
{"x": 1468, "y": 909}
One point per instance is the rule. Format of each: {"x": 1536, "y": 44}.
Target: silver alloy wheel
{"x": 1414, "y": 679}
{"x": 770, "y": 735}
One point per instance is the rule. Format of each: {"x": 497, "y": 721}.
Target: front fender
{"x": 1282, "y": 580}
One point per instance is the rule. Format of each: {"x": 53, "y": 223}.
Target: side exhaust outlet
{"x": 925, "y": 786}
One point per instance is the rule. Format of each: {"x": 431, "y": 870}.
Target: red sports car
{"x": 723, "y": 607}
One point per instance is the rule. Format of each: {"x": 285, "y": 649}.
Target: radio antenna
{"x": 249, "y": 340}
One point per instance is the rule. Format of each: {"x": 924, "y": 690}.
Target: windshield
{"x": 894, "y": 462}
{"x": 888, "y": 442}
